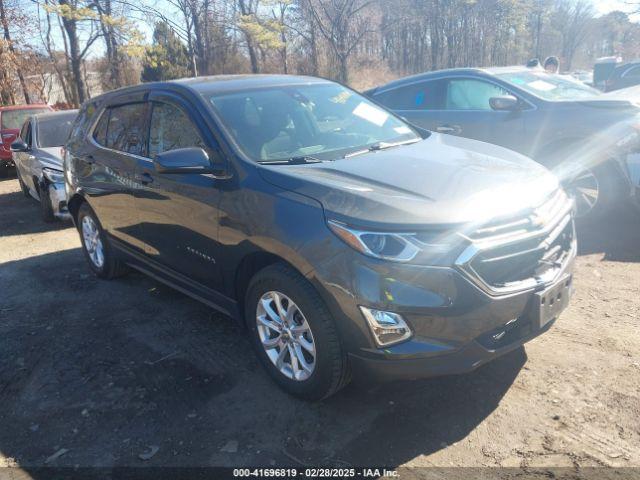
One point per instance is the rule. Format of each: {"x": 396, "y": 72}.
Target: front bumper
{"x": 457, "y": 324}
{"x": 58, "y": 199}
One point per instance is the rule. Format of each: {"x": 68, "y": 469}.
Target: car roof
{"x": 56, "y": 114}
{"x": 452, "y": 72}
{"x": 214, "y": 84}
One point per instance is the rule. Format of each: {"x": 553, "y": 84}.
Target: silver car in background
{"x": 38, "y": 153}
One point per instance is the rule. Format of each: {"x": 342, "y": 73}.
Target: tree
{"x": 343, "y": 24}
{"x": 167, "y": 58}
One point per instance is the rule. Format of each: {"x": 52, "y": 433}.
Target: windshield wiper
{"x": 301, "y": 160}
{"x": 381, "y": 146}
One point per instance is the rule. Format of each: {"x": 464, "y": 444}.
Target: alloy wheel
{"x": 92, "y": 241}
{"x": 286, "y": 336}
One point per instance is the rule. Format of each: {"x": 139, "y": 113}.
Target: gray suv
{"x": 347, "y": 242}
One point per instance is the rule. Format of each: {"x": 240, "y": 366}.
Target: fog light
{"x": 388, "y": 328}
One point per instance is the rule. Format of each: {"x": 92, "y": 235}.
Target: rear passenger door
{"x": 119, "y": 143}
{"x": 179, "y": 212}
{"x": 419, "y": 103}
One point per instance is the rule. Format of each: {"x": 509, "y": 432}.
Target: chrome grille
{"x": 512, "y": 254}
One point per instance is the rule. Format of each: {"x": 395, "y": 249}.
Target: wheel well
{"x": 73, "y": 205}
{"x": 249, "y": 266}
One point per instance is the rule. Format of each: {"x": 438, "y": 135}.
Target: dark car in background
{"x": 623, "y": 76}
{"x": 11, "y": 120}
{"x": 583, "y": 135}
{"x": 37, "y": 154}
{"x": 346, "y": 241}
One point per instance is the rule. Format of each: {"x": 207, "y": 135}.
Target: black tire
{"x": 604, "y": 174}
{"x": 23, "y": 187}
{"x": 331, "y": 371}
{"x": 46, "y": 209}
{"x": 111, "y": 266}
{"x": 4, "y": 170}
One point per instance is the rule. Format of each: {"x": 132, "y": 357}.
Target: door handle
{"x": 144, "y": 178}
{"x": 451, "y": 129}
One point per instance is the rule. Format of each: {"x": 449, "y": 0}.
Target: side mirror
{"x": 19, "y": 145}
{"x": 504, "y": 103}
{"x": 183, "y": 160}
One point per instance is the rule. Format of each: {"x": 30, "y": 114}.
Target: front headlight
{"x": 422, "y": 247}
{"x": 54, "y": 176}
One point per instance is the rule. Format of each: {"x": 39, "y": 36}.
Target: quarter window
{"x": 171, "y": 129}
{"x": 470, "y": 94}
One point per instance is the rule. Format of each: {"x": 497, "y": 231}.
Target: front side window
{"x": 419, "y": 96}
{"x": 25, "y": 133}
{"x": 171, "y": 129}
{"x": 471, "y": 94}
{"x": 124, "y": 129}
{"x": 326, "y": 121}
{"x": 15, "y": 118}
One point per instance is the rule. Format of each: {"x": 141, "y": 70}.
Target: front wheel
{"x": 294, "y": 334}
{"x": 23, "y": 186}
{"x": 96, "y": 247}
{"x": 594, "y": 191}
{"x": 46, "y": 209}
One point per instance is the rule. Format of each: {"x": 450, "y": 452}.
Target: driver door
{"x": 466, "y": 112}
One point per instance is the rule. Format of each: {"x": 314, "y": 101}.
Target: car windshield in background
{"x": 323, "y": 121}
{"x": 15, "y": 118}
{"x": 549, "y": 87}
{"x": 54, "y": 131}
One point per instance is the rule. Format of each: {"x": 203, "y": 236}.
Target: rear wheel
{"x": 96, "y": 247}
{"x": 294, "y": 334}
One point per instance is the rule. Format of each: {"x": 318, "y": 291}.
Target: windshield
{"x": 326, "y": 121}
{"x": 54, "y": 131}
{"x": 15, "y": 118}
{"x": 548, "y": 86}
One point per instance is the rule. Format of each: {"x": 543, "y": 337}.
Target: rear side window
{"x": 418, "y": 96}
{"x": 171, "y": 129}
{"x": 122, "y": 128}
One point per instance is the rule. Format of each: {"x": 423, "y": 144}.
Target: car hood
{"x": 50, "y": 157}
{"x": 441, "y": 180}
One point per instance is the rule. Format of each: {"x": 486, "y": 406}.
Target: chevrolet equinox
{"x": 350, "y": 243}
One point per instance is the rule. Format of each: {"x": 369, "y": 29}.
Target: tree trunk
{"x": 7, "y": 37}
{"x": 70, "y": 28}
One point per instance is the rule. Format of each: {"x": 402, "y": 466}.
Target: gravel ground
{"x": 130, "y": 373}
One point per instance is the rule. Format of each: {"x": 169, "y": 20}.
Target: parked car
{"x": 563, "y": 124}
{"x": 602, "y": 70}
{"x": 348, "y": 242}
{"x": 11, "y": 119}
{"x": 623, "y": 76}
{"x": 37, "y": 154}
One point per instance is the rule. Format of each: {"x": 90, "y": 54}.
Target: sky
{"x": 605, "y": 6}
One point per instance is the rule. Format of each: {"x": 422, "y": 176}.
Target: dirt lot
{"x": 97, "y": 373}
